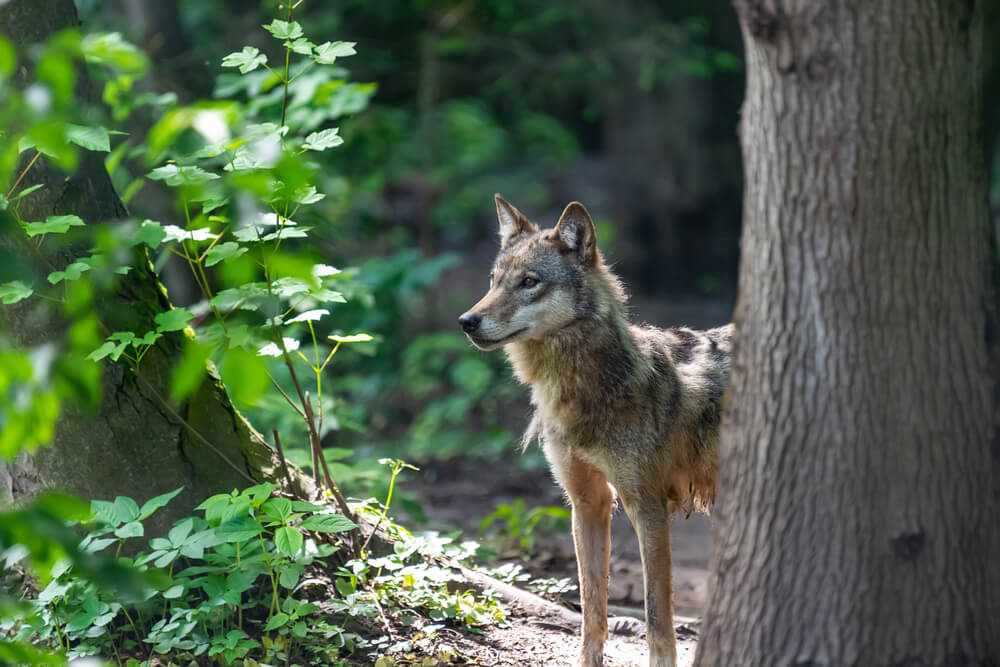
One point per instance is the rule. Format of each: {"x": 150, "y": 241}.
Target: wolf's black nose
{"x": 470, "y": 322}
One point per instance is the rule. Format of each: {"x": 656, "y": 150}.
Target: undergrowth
{"x": 254, "y": 579}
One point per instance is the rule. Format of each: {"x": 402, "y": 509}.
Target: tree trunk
{"x": 856, "y": 521}
{"x": 139, "y": 444}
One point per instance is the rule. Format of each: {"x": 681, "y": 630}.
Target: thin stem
{"x": 31, "y": 164}
{"x": 284, "y": 462}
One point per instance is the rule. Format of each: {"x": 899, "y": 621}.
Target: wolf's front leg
{"x": 652, "y": 527}
{"x": 592, "y": 500}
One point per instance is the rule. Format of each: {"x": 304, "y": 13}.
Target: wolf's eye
{"x": 529, "y": 282}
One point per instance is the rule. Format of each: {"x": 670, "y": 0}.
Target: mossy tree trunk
{"x": 857, "y": 521}
{"x": 139, "y": 443}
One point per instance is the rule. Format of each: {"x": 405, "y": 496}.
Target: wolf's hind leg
{"x": 592, "y": 500}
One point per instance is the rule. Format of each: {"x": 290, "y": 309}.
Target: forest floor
{"x": 459, "y": 497}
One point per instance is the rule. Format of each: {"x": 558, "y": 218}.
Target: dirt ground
{"x": 460, "y": 498}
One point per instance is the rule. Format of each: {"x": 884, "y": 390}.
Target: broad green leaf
{"x": 188, "y": 375}
{"x": 122, "y": 336}
{"x": 272, "y": 349}
{"x": 303, "y": 46}
{"x": 54, "y": 224}
{"x": 179, "y": 533}
{"x": 173, "y": 320}
{"x": 276, "y": 621}
{"x": 238, "y": 529}
{"x": 290, "y": 576}
{"x": 104, "y": 350}
{"x": 277, "y": 508}
{"x": 309, "y": 316}
{"x": 249, "y": 59}
{"x": 93, "y": 138}
{"x": 328, "y": 523}
{"x": 27, "y": 191}
{"x": 356, "y": 338}
{"x": 71, "y": 272}
{"x": 126, "y": 509}
{"x": 328, "y": 52}
{"x": 223, "y": 252}
{"x": 283, "y": 29}
{"x": 130, "y": 529}
{"x": 151, "y": 233}
{"x": 174, "y": 591}
{"x": 175, "y": 233}
{"x": 110, "y": 49}
{"x": 14, "y": 291}
{"x": 148, "y": 339}
{"x": 174, "y": 175}
{"x": 318, "y": 141}
{"x": 288, "y": 540}
{"x": 242, "y": 580}
{"x": 324, "y": 270}
{"x": 157, "y": 502}
{"x": 246, "y": 377}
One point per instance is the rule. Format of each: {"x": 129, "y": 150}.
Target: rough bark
{"x": 856, "y": 521}
{"x": 138, "y": 444}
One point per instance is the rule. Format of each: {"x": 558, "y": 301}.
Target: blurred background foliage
{"x": 630, "y": 107}
{"x": 445, "y": 104}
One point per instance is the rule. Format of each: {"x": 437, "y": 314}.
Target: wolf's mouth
{"x": 488, "y": 344}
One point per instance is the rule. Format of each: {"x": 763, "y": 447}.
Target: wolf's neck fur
{"x": 595, "y": 355}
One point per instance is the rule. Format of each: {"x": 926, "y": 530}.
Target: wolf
{"x": 621, "y": 410}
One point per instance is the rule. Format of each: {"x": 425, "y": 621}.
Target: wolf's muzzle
{"x": 470, "y": 322}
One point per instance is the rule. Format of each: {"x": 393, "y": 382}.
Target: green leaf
{"x": 151, "y": 233}
{"x": 238, "y": 529}
{"x": 130, "y": 529}
{"x": 102, "y": 351}
{"x": 174, "y": 175}
{"x": 288, "y": 540}
{"x": 157, "y": 502}
{"x": 175, "y": 233}
{"x": 110, "y": 49}
{"x": 148, "y": 339}
{"x": 71, "y": 272}
{"x": 93, "y": 138}
{"x": 249, "y": 59}
{"x": 283, "y": 29}
{"x": 278, "y": 508}
{"x": 319, "y": 141}
{"x": 223, "y": 252}
{"x": 302, "y": 46}
{"x": 27, "y": 191}
{"x": 276, "y": 621}
{"x": 328, "y": 52}
{"x": 290, "y": 576}
{"x": 309, "y": 316}
{"x": 328, "y": 523}
{"x": 174, "y": 591}
{"x": 54, "y": 224}
{"x": 126, "y": 509}
{"x": 173, "y": 320}
{"x": 14, "y": 291}
{"x": 356, "y": 338}
{"x": 179, "y": 532}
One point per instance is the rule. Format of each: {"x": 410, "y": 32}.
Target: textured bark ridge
{"x": 856, "y": 521}
{"x": 138, "y": 444}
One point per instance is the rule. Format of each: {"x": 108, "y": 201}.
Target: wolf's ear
{"x": 575, "y": 231}
{"x": 512, "y": 221}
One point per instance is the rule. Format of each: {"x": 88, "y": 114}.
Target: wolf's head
{"x": 543, "y": 280}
